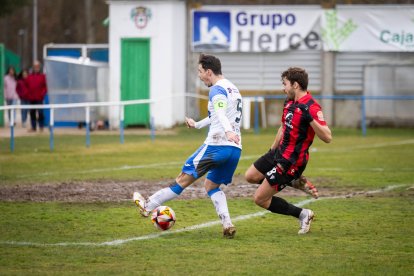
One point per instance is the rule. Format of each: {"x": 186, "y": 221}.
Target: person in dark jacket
{"x": 36, "y": 83}
{"x": 23, "y": 92}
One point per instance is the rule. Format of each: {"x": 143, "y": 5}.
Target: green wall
{"x": 7, "y": 58}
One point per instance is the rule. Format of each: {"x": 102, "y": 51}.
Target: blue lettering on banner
{"x": 252, "y": 31}
{"x": 402, "y": 38}
{"x": 273, "y": 20}
{"x": 211, "y": 31}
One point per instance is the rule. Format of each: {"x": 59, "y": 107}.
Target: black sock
{"x": 280, "y": 206}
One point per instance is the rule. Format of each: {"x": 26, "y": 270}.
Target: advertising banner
{"x": 256, "y": 30}
{"x": 276, "y": 29}
{"x": 381, "y": 29}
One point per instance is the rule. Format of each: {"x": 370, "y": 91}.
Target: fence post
{"x": 256, "y": 115}
{"x": 87, "y": 121}
{"x": 152, "y": 126}
{"x": 363, "y": 116}
{"x": 12, "y": 129}
{"x": 51, "y": 126}
{"x": 121, "y": 123}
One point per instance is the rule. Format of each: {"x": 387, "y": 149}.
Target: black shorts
{"x": 278, "y": 171}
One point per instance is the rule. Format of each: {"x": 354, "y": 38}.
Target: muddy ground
{"x": 113, "y": 191}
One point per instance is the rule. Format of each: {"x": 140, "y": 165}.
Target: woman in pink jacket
{"x": 10, "y": 94}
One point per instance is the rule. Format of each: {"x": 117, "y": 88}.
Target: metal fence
{"x": 255, "y": 99}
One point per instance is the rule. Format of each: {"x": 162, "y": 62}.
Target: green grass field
{"x": 368, "y": 234}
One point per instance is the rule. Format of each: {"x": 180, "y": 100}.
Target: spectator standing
{"x": 36, "y": 83}
{"x": 23, "y": 92}
{"x": 10, "y": 94}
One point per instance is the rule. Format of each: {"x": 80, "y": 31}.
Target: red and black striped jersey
{"x": 297, "y": 133}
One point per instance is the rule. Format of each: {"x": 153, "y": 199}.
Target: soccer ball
{"x": 163, "y": 218}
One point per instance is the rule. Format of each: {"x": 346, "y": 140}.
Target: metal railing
{"x": 87, "y": 106}
{"x": 361, "y": 98}
{"x": 256, "y": 99}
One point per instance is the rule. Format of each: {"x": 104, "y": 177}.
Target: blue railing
{"x": 360, "y": 98}
{"x": 87, "y": 107}
{"x": 122, "y": 104}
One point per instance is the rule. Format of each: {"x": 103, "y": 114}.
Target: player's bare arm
{"x": 278, "y": 136}
{"x": 200, "y": 124}
{"x": 231, "y": 136}
{"x": 190, "y": 122}
{"x": 323, "y": 132}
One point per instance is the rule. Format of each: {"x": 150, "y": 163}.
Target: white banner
{"x": 251, "y": 29}
{"x": 383, "y": 29}
{"x": 276, "y": 29}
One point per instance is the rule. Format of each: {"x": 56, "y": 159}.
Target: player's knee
{"x": 252, "y": 177}
{"x": 249, "y": 176}
{"x": 259, "y": 201}
{"x": 184, "y": 180}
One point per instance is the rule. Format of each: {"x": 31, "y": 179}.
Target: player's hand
{"x": 233, "y": 137}
{"x": 189, "y": 122}
{"x": 305, "y": 112}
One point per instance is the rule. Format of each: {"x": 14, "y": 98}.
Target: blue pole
{"x": 152, "y": 129}
{"x": 256, "y": 115}
{"x": 12, "y": 138}
{"x": 121, "y": 122}
{"x": 12, "y": 112}
{"x": 88, "y": 130}
{"x": 121, "y": 130}
{"x": 51, "y": 139}
{"x": 51, "y": 124}
{"x": 88, "y": 135}
{"x": 363, "y": 116}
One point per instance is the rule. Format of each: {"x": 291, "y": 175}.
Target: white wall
{"x": 166, "y": 31}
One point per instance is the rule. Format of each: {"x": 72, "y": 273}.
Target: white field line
{"x": 247, "y": 157}
{"x": 190, "y": 228}
{"x": 126, "y": 167}
{"x": 358, "y": 147}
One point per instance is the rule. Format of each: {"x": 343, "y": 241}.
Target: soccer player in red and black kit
{"x": 285, "y": 162}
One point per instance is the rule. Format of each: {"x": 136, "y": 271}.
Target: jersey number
{"x": 239, "y": 108}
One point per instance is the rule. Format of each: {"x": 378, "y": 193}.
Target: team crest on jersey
{"x": 288, "y": 119}
{"x": 320, "y": 116}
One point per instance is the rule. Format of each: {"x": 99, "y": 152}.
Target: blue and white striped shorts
{"x": 219, "y": 161}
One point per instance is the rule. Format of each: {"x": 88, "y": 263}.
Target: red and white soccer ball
{"x": 163, "y": 217}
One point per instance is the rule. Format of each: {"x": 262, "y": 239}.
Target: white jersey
{"x": 227, "y": 91}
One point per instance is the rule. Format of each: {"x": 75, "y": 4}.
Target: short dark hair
{"x": 210, "y": 62}
{"x": 297, "y": 74}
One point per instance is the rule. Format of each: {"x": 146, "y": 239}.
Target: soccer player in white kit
{"x": 220, "y": 152}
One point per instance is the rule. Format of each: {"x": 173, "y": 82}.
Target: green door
{"x": 135, "y": 76}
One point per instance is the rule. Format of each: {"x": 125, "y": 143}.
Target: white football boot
{"x": 229, "y": 232}
{"x": 305, "y": 220}
{"x": 140, "y": 201}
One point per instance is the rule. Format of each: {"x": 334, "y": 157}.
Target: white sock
{"x": 220, "y": 202}
{"x": 159, "y": 198}
{"x": 303, "y": 214}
